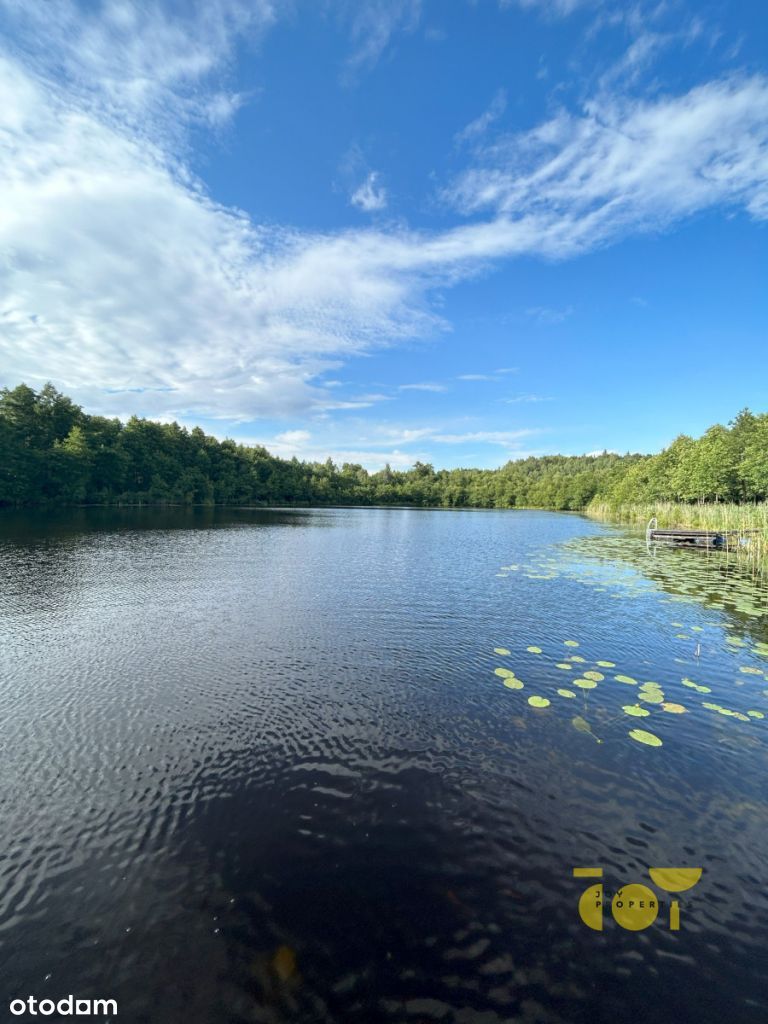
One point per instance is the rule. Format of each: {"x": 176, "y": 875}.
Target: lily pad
{"x": 514, "y": 684}
{"x": 749, "y": 671}
{"x": 571, "y": 643}
{"x": 539, "y": 702}
{"x": 635, "y": 710}
{"x": 566, "y": 666}
{"x": 756, "y": 714}
{"x": 568, "y": 693}
{"x": 533, "y": 650}
{"x": 597, "y": 676}
{"x": 577, "y": 658}
{"x": 641, "y": 736}
{"x": 505, "y": 673}
{"x": 605, "y": 664}
{"x": 673, "y": 709}
{"x": 582, "y": 725}
{"x": 501, "y": 650}
{"x": 626, "y": 679}
{"x": 585, "y": 684}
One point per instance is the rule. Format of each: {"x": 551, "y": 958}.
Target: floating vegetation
{"x": 641, "y": 736}
{"x": 635, "y": 710}
{"x": 652, "y": 697}
{"x": 539, "y": 702}
{"x": 695, "y": 686}
{"x": 582, "y": 725}
{"x": 621, "y": 567}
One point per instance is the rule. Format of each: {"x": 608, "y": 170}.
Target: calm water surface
{"x": 257, "y": 766}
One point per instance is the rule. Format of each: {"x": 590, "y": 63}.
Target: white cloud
{"x": 293, "y": 437}
{"x": 551, "y": 8}
{"x": 131, "y": 288}
{"x": 374, "y": 23}
{"x": 506, "y": 438}
{"x": 481, "y": 124}
{"x": 515, "y": 399}
{"x": 545, "y": 315}
{"x": 628, "y": 165}
{"x": 422, "y": 387}
{"x": 370, "y": 196}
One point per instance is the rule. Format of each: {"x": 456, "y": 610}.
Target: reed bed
{"x": 751, "y": 548}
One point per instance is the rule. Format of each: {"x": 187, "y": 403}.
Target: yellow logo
{"x": 635, "y": 906}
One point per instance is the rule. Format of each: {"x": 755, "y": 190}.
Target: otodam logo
{"x": 635, "y": 906}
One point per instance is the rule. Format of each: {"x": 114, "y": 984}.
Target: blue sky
{"x": 460, "y": 231}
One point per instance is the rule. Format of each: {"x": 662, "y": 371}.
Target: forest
{"x": 52, "y": 452}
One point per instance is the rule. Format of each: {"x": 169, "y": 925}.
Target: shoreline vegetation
{"x": 52, "y": 453}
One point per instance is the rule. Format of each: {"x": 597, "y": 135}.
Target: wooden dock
{"x": 684, "y": 536}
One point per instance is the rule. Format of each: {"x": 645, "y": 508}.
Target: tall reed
{"x": 750, "y": 546}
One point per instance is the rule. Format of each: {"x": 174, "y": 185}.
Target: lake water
{"x": 258, "y": 766}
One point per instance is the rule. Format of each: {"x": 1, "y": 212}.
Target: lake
{"x": 269, "y": 766}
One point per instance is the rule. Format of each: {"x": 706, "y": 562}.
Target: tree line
{"x": 52, "y": 452}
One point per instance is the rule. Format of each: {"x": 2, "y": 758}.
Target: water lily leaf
{"x": 674, "y": 709}
{"x": 582, "y": 725}
{"x": 584, "y": 684}
{"x": 566, "y": 666}
{"x": 577, "y": 658}
{"x": 690, "y": 682}
{"x": 284, "y": 963}
{"x": 505, "y": 673}
{"x": 682, "y": 636}
{"x": 709, "y": 706}
{"x": 741, "y": 718}
{"x": 636, "y": 711}
{"x": 652, "y": 697}
{"x": 749, "y": 671}
{"x": 513, "y": 684}
{"x": 571, "y": 643}
{"x": 756, "y": 714}
{"x": 641, "y": 736}
{"x": 626, "y": 679}
{"x": 501, "y": 650}
{"x": 568, "y": 693}
{"x": 539, "y": 702}
{"x": 605, "y": 664}
{"x": 598, "y": 676}
{"x": 533, "y": 650}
